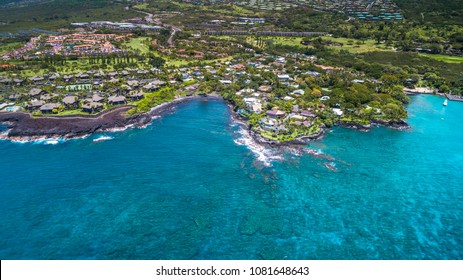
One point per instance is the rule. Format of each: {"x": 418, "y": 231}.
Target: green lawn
{"x": 284, "y": 41}
{"x": 181, "y": 62}
{"x": 357, "y": 46}
{"x": 10, "y": 46}
{"x": 141, "y": 6}
{"x": 138, "y": 44}
{"x": 445, "y": 58}
{"x": 72, "y": 112}
{"x": 353, "y": 46}
{"x": 287, "y": 41}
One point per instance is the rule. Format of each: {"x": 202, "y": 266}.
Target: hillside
{"x": 435, "y": 11}
{"x": 52, "y": 15}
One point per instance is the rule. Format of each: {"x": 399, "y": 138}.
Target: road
{"x": 170, "y": 41}
{"x": 149, "y": 18}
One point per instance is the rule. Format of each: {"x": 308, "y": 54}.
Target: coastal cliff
{"x": 24, "y": 126}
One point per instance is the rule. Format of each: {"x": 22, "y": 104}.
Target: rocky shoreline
{"x": 304, "y": 140}
{"x": 24, "y": 127}
{"x": 399, "y": 125}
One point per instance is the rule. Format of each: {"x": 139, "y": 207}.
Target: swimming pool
{"x": 12, "y": 109}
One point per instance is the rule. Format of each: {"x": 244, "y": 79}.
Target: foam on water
{"x": 103, "y": 138}
{"x": 263, "y": 154}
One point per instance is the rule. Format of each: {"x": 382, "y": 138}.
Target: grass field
{"x": 444, "y": 58}
{"x": 356, "y": 46}
{"x": 72, "y": 112}
{"x": 285, "y": 41}
{"x": 450, "y": 71}
{"x": 180, "y": 62}
{"x": 141, "y": 6}
{"x": 9, "y": 47}
{"x": 353, "y": 46}
{"x": 138, "y": 44}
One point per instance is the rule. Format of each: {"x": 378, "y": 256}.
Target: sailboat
{"x": 445, "y": 102}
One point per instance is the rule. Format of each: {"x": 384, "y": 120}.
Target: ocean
{"x": 193, "y": 185}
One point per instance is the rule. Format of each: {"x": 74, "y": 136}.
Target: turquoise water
{"x": 183, "y": 188}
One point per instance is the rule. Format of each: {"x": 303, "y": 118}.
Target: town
{"x": 285, "y": 84}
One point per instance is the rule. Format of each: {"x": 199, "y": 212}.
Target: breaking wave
{"x": 264, "y": 155}
{"x": 103, "y": 138}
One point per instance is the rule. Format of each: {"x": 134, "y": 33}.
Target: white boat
{"x": 445, "y": 102}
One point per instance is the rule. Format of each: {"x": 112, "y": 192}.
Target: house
{"x": 70, "y": 101}
{"x": 338, "y": 112}
{"x": 251, "y": 20}
{"x": 82, "y": 76}
{"x": 68, "y": 78}
{"x": 45, "y": 97}
{"x": 133, "y": 83}
{"x": 298, "y": 92}
{"x": 142, "y": 72}
{"x": 312, "y": 73}
{"x": 297, "y": 117}
{"x": 5, "y": 81}
{"x": 13, "y": 97}
{"x": 324, "y": 98}
{"x": 239, "y": 67}
{"x": 266, "y": 89}
{"x": 158, "y": 83}
{"x": 35, "y": 91}
{"x": 34, "y": 104}
{"x": 275, "y": 113}
{"x": 284, "y": 78}
{"x": 256, "y": 108}
{"x": 18, "y": 82}
{"x": 36, "y": 79}
{"x": 136, "y": 95}
{"x": 268, "y": 124}
{"x": 53, "y": 77}
{"x": 245, "y": 91}
{"x": 92, "y": 107}
{"x": 150, "y": 87}
{"x": 116, "y": 100}
{"x": 97, "y": 98}
{"x": 49, "y": 107}
{"x": 186, "y": 77}
{"x": 307, "y": 114}
{"x": 253, "y": 104}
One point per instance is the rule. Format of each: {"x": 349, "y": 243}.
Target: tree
{"x": 156, "y": 61}
{"x": 394, "y": 112}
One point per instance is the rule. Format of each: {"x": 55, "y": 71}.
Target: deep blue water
{"x": 184, "y": 189}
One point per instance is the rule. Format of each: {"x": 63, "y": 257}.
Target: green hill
{"x": 54, "y": 14}
{"x": 435, "y": 11}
